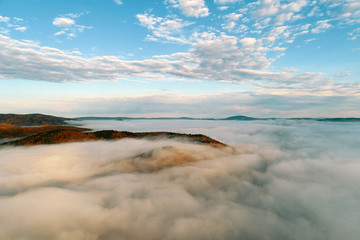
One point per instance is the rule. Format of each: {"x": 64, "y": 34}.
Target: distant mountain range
{"x": 34, "y": 129}
{"x": 232, "y": 118}
{"x": 41, "y": 119}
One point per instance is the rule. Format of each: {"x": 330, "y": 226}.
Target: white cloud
{"x": 267, "y": 8}
{"x": 282, "y": 12}
{"x": 223, "y": 8}
{"x": 247, "y": 195}
{"x": 279, "y": 49}
{"x": 233, "y": 16}
{"x": 311, "y": 39}
{"x": 321, "y": 26}
{"x": 4, "y": 31}
{"x": 11, "y": 24}
{"x": 229, "y": 25}
{"x": 191, "y": 8}
{"x": 315, "y": 12}
{"x": 59, "y": 33}
{"x": 354, "y": 34}
{"x": 216, "y": 58}
{"x": 63, "y": 22}
{"x": 248, "y": 42}
{"x": 231, "y": 20}
{"x": 68, "y": 26}
{"x": 226, "y": 1}
{"x": 118, "y": 2}
{"x": 21, "y": 29}
{"x": 350, "y": 12}
{"x": 4, "y": 19}
{"x": 18, "y": 19}
{"x": 277, "y": 183}
{"x": 168, "y": 28}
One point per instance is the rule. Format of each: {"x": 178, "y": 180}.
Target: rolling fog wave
{"x": 282, "y": 180}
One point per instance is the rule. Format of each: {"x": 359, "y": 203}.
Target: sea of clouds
{"x": 280, "y": 179}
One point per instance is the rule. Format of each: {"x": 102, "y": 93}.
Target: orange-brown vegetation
{"x": 62, "y": 134}
{"x": 12, "y": 131}
{"x": 31, "y": 119}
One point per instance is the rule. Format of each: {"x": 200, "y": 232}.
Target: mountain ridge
{"x": 37, "y": 119}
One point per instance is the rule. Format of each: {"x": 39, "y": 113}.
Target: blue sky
{"x": 205, "y": 58}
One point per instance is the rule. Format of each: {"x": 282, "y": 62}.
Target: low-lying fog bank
{"x": 285, "y": 180}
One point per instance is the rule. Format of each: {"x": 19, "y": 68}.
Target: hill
{"x": 63, "y": 134}
{"x": 13, "y": 131}
{"x": 32, "y": 119}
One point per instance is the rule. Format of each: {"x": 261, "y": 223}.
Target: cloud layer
{"x": 328, "y": 102}
{"x": 287, "y": 180}
{"x": 210, "y": 58}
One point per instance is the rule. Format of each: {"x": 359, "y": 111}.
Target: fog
{"x": 279, "y": 180}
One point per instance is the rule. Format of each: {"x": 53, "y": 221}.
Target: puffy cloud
{"x": 282, "y": 12}
{"x": 348, "y": 11}
{"x": 233, "y": 16}
{"x": 191, "y": 8}
{"x": 168, "y": 28}
{"x": 267, "y": 8}
{"x": 248, "y": 42}
{"x": 4, "y": 19}
{"x": 231, "y": 19}
{"x": 67, "y": 25}
{"x": 219, "y": 58}
{"x": 63, "y": 22}
{"x": 118, "y": 2}
{"x": 226, "y": 1}
{"x": 321, "y": 26}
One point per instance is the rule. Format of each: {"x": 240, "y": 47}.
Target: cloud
{"x": 321, "y": 26}
{"x": 21, "y": 29}
{"x": 282, "y": 12}
{"x": 191, "y": 8}
{"x": 218, "y": 58}
{"x": 318, "y": 99}
{"x": 231, "y": 19}
{"x": 354, "y": 34}
{"x": 11, "y": 24}
{"x": 267, "y": 8}
{"x": 233, "y": 16}
{"x": 348, "y": 11}
{"x": 223, "y": 8}
{"x": 118, "y": 2}
{"x": 63, "y": 22}
{"x": 68, "y": 26}
{"x": 225, "y": 1}
{"x": 248, "y": 42}
{"x": 4, "y": 19}
{"x": 168, "y": 28}
{"x": 68, "y": 191}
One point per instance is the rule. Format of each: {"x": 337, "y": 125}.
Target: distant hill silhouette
{"x": 13, "y": 131}
{"x": 32, "y": 119}
{"x": 41, "y": 119}
{"x": 240, "y": 118}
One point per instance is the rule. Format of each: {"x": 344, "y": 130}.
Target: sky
{"x": 200, "y": 58}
